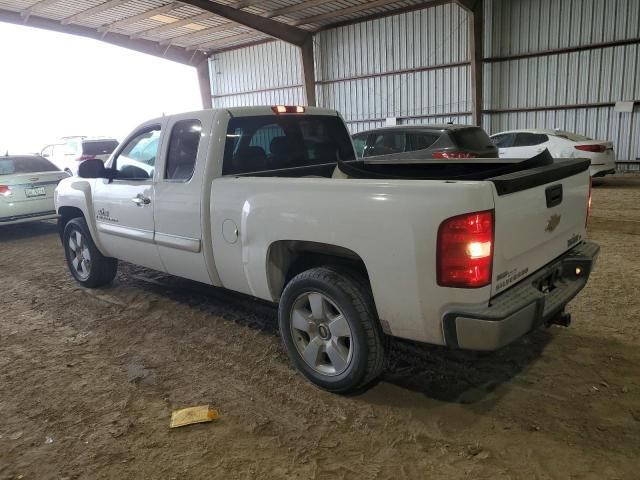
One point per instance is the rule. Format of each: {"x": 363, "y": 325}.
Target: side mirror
{"x": 92, "y": 168}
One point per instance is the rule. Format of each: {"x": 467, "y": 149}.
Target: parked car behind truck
{"x": 416, "y": 142}
{"x": 27, "y": 183}
{"x": 272, "y": 203}
{"x": 561, "y": 144}
{"x": 72, "y": 151}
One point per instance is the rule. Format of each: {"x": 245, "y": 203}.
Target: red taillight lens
{"x": 287, "y": 109}
{"x": 586, "y": 222}
{"x": 591, "y": 148}
{"x": 453, "y": 155}
{"x": 82, "y": 158}
{"x": 5, "y": 190}
{"x": 465, "y": 250}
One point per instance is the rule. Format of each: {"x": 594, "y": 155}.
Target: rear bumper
{"x": 523, "y": 307}
{"x": 601, "y": 170}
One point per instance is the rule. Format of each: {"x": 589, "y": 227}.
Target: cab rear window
{"x": 17, "y": 165}
{"x": 274, "y": 142}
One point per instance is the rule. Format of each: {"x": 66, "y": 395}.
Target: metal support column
{"x": 204, "y": 80}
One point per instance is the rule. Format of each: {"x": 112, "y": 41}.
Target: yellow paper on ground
{"x": 191, "y": 415}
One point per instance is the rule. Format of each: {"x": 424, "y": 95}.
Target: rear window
{"x": 12, "y": 165}
{"x": 471, "y": 138}
{"x": 99, "y": 147}
{"x": 264, "y": 143}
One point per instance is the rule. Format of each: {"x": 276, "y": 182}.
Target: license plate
{"x": 35, "y": 192}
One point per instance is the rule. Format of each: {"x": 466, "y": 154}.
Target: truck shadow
{"x": 22, "y": 231}
{"x": 461, "y": 376}
{"x": 437, "y": 372}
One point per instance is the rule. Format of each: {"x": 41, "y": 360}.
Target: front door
{"x": 124, "y": 206}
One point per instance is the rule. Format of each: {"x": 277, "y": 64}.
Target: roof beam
{"x": 279, "y": 30}
{"x": 139, "y": 17}
{"x": 170, "y": 26}
{"x": 92, "y": 11}
{"x": 345, "y": 11}
{"x": 295, "y": 8}
{"x": 176, "y": 54}
{"x": 468, "y": 5}
{"x": 248, "y": 3}
{"x": 223, "y": 41}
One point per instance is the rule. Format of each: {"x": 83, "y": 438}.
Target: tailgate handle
{"x": 554, "y": 195}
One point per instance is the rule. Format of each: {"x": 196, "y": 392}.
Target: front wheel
{"x": 330, "y": 329}
{"x": 88, "y": 266}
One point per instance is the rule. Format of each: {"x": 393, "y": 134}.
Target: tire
{"x": 330, "y": 329}
{"x": 87, "y": 265}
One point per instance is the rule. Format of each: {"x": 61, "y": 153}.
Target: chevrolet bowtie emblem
{"x": 552, "y": 223}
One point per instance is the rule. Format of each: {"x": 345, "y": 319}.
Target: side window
{"x": 183, "y": 150}
{"x": 420, "y": 141}
{"x": 360, "y": 142}
{"x": 529, "y": 139}
{"x": 387, "y": 144}
{"x": 503, "y": 141}
{"x": 136, "y": 161}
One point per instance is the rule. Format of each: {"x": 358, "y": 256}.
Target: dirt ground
{"x": 88, "y": 380}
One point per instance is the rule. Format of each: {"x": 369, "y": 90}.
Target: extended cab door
{"x": 124, "y": 206}
{"x": 179, "y": 207}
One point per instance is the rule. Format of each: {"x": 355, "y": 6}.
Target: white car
{"x": 72, "y": 151}
{"x": 272, "y": 202}
{"x": 27, "y": 183}
{"x": 561, "y": 144}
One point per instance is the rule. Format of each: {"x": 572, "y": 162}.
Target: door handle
{"x": 141, "y": 200}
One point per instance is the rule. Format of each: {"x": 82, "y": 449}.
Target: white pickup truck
{"x": 272, "y": 202}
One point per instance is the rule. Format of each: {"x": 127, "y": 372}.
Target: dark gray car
{"x": 421, "y": 142}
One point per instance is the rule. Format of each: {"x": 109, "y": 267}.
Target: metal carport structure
{"x": 190, "y": 31}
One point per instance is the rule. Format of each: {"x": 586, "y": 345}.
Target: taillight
{"x": 5, "y": 190}
{"x": 465, "y": 250}
{"x": 586, "y": 222}
{"x": 453, "y": 155}
{"x": 287, "y": 109}
{"x": 82, "y": 158}
{"x": 591, "y": 148}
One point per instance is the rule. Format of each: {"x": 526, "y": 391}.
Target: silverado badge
{"x": 552, "y": 223}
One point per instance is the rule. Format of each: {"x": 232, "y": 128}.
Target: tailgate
{"x": 540, "y": 213}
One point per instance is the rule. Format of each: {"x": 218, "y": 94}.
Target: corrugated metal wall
{"x": 410, "y": 66}
{"x": 266, "y": 74}
{"x": 415, "y": 66}
{"x": 594, "y": 76}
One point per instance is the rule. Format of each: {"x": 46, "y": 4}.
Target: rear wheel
{"x": 87, "y": 265}
{"x": 330, "y": 329}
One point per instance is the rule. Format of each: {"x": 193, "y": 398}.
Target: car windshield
{"x": 16, "y": 165}
{"x": 99, "y": 147}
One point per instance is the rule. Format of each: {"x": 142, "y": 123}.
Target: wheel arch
{"x": 65, "y": 215}
{"x": 288, "y": 258}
